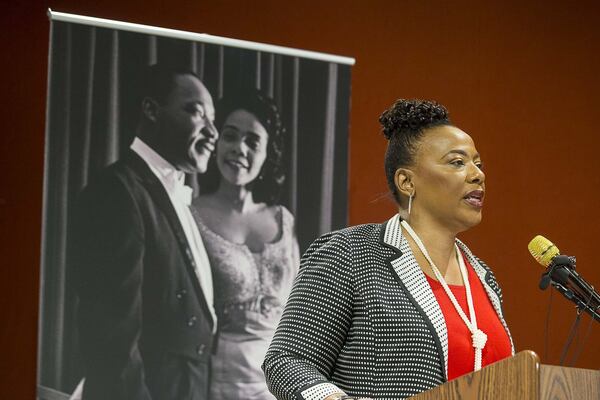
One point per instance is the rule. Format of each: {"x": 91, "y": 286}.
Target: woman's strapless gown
{"x": 250, "y": 292}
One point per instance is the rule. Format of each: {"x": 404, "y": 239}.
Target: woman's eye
{"x": 457, "y": 163}
{"x": 479, "y": 165}
{"x": 252, "y": 143}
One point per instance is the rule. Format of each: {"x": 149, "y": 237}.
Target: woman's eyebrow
{"x": 461, "y": 152}
{"x": 228, "y": 126}
{"x": 253, "y": 134}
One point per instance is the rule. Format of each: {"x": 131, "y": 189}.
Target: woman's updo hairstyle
{"x": 403, "y": 125}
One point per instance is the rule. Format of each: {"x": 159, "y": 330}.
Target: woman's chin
{"x": 237, "y": 179}
{"x": 473, "y": 220}
{"x": 465, "y": 221}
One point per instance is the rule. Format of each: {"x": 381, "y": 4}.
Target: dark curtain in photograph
{"x": 92, "y": 114}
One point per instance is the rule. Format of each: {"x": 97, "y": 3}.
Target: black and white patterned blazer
{"x": 362, "y": 318}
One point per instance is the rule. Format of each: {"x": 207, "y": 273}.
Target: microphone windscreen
{"x": 542, "y": 250}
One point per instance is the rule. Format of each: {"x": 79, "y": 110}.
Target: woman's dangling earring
{"x": 410, "y": 203}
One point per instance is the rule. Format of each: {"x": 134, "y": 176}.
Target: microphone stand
{"x": 562, "y": 276}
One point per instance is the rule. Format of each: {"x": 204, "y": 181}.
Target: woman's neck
{"x": 236, "y": 197}
{"x": 438, "y": 241}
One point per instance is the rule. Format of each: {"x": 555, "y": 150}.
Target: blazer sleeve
{"x": 107, "y": 264}
{"x": 314, "y": 324}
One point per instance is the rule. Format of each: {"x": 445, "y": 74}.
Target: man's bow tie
{"x": 180, "y": 191}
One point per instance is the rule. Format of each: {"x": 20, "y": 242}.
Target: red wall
{"x": 521, "y": 79}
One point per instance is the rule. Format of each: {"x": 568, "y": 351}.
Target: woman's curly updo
{"x": 403, "y": 125}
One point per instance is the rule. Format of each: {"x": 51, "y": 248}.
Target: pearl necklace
{"x": 478, "y": 337}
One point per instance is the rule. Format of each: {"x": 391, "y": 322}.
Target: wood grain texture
{"x": 562, "y": 383}
{"x": 520, "y": 377}
{"x": 512, "y": 378}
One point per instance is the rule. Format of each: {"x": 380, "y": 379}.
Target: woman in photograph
{"x": 391, "y": 310}
{"x": 250, "y": 241}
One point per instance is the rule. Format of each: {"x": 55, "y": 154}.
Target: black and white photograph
{"x": 184, "y": 177}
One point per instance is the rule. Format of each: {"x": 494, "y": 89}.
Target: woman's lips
{"x": 236, "y": 164}
{"x": 474, "y": 202}
{"x": 475, "y": 198}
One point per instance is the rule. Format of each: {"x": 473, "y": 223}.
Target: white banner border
{"x": 200, "y": 37}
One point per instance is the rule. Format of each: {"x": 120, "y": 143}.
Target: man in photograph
{"x": 145, "y": 316}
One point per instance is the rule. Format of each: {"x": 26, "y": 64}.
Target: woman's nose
{"x": 476, "y": 175}
{"x": 240, "y": 147}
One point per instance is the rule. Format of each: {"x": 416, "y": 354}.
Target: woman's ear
{"x": 403, "y": 181}
{"x": 150, "y": 108}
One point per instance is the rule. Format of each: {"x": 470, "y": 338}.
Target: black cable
{"x": 547, "y": 327}
{"x": 570, "y": 338}
{"x": 575, "y": 343}
{"x": 579, "y": 348}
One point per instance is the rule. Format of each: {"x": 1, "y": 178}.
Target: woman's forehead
{"x": 245, "y": 121}
{"x": 441, "y": 140}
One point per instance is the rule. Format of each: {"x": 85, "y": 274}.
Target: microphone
{"x": 560, "y": 272}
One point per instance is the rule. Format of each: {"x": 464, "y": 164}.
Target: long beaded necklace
{"x": 478, "y": 337}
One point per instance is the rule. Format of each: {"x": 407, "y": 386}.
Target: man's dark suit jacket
{"x": 145, "y": 328}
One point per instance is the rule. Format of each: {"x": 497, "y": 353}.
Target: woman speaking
{"x": 390, "y": 310}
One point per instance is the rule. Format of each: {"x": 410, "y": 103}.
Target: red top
{"x": 461, "y": 353}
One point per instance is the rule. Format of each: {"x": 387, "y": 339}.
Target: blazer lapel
{"x": 415, "y": 283}
{"x": 160, "y": 196}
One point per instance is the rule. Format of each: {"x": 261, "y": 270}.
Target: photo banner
{"x": 127, "y": 270}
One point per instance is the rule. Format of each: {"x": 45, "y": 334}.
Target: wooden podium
{"x": 520, "y": 377}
